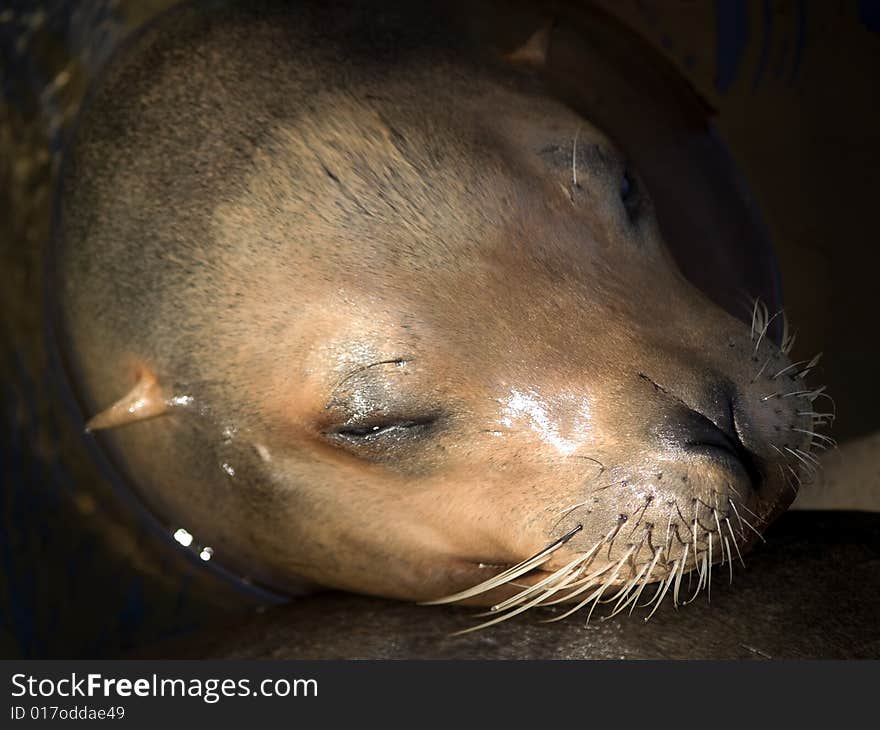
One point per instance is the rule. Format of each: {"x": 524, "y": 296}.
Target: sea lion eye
{"x": 369, "y": 432}
{"x": 630, "y": 195}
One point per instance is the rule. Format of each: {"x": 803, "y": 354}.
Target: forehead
{"x": 410, "y": 172}
{"x": 394, "y": 216}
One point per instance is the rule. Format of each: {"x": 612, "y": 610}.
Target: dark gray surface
{"x": 813, "y": 592}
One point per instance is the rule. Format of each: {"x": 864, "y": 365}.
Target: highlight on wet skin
{"x": 587, "y": 580}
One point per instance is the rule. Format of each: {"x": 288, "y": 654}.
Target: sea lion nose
{"x": 711, "y": 430}
{"x": 695, "y": 430}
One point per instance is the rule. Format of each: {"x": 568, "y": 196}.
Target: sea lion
{"x": 362, "y": 308}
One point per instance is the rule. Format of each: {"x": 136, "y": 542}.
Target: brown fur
{"x": 307, "y": 225}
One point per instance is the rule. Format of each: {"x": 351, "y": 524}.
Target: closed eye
{"x": 369, "y": 432}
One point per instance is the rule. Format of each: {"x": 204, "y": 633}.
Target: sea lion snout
{"x": 744, "y": 420}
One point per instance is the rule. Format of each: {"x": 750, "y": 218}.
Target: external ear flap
{"x": 534, "y": 51}
{"x": 145, "y": 400}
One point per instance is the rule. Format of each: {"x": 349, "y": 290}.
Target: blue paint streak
{"x": 731, "y": 39}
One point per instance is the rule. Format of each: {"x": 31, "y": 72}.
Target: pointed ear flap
{"x": 534, "y": 51}
{"x": 145, "y": 400}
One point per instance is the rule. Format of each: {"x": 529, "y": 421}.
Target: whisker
{"x": 625, "y": 586}
{"x": 709, "y": 561}
{"x": 786, "y": 327}
{"x": 635, "y": 581}
{"x": 596, "y": 594}
{"x": 666, "y": 584}
{"x": 758, "y": 374}
{"x": 739, "y": 519}
{"x": 810, "y": 364}
{"x": 748, "y": 524}
{"x": 814, "y": 414}
{"x": 799, "y": 455}
{"x": 508, "y": 615}
{"x": 794, "y": 474}
{"x": 718, "y": 525}
{"x": 821, "y": 436}
{"x": 729, "y": 559}
{"x": 653, "y": 597}
{"x": 554, "y": 577}
{"x": 646, "y": 581}
{"x": 568, "y": 510}
{"x": 750, "y": 512}
{"x": 765, "y": 329}
{"x": 683, "y": 560}
{"x": 580, "y": 586}
{"x": 733, "y": 538}
{"x": 754, "y": 320}
{"x": 798, "y": 394}
{"x": 514, "y": 572}
{"x": 786, "y": 479}
{"x": 810, "y": 457}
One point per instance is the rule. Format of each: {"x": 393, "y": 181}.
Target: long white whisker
{"x": 646, "y": 581}
{"x": 554, "y": 577}
{"x": 667, "y": 583}
{"x": 810, "y": 364}
{"x": 748, "y": 524}
{"x": 765, "y": 329}
{"x": 709, "y": 562}
{"x": 718, "y": 525}
{"x": 736, "y": 512}
{"x": 763, "y": 367}
{"x": 514, "y": 572}
{"x": 754, "y": 320}
{"x": 596, "y": 594}
{"x": 797, "y": 454}
{"x": 580, "y": 585}
{"x": 684, "y": 557}
{"x": 510, "y": 614}
{"x": 821, "y": 436}
{"x": 700, "y": 563}
{"x": 635, "y": 581}
{"x": 729, "y": 558}
{"x": 735, "y": 544}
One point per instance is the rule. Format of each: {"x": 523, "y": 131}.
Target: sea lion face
{"x": 478, "y": 412}
{"x": 418, "y": 342}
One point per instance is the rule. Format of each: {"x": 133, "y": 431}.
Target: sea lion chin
{"x": 407, "y": 329}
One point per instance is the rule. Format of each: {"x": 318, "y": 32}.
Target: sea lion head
{"x": 406, "y": 330}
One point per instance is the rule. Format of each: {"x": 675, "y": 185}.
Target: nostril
{"x": 718, "y": 439}
{"x": 712, "y": 428}
{"x": 700, "y": 431}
